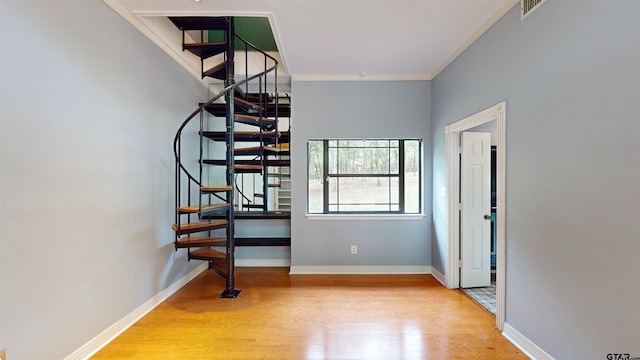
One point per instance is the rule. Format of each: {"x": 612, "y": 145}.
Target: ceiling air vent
{"x": 527, "y": 7}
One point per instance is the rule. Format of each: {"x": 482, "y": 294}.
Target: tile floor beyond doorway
{"x": 484, "y": 296}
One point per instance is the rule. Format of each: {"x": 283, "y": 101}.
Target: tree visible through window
{"x": 364, "y": 176}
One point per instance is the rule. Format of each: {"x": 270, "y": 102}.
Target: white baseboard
{"x": 94, "y": 345}
{"x": 527, "y": 346}
{"x": 438, "y": 275}
{"x": 295, "y": 270}
{"x": 263, "y": 262}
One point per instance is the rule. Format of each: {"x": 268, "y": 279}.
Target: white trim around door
{"x": 452, "y": 144}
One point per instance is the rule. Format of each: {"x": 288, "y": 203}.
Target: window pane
{"x": 412, "y": 176}
{"x": 381, "y": 161}
{"x": 393, "y": 160}
{"x": 365, "y": 193}
{"x": 333, "y": 190}
{"x": 315, "y": 176}
{"x": 340, "y": 158}
{"x": 333, "y": 160}
{"x": 394, "y": 190}
{"x": 363, "y": 190}
{"x": 366, "y": 208}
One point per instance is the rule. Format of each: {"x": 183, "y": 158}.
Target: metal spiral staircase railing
{"x": 204, "y": 208}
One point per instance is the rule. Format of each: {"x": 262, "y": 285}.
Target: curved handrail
{"x": 202, "y": 107}
{"x": 179, "y": 132}
{"x": 240, "y": 191}
{"x": 260, "y": 51}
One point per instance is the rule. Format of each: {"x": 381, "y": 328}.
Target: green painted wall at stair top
{"x": 256, "y": 30}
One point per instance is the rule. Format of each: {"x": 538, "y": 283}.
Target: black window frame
{"x": 328, "y": 174}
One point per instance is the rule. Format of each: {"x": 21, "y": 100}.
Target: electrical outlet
{"x": 354, "y": 249}
{"x": 3, "y": 354}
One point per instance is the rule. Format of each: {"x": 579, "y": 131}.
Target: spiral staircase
{"x": 245, "y": 112}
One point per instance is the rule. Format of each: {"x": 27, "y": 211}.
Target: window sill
{"x": 370, "y": 217}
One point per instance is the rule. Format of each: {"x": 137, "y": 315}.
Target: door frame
{"x": 452, "y": 146}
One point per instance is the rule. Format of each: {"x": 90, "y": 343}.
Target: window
{"x": 355, "y": 176}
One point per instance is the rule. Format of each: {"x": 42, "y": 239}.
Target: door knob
{"x": 487, "y": 217}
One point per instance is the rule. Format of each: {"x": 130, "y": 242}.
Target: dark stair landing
{"x": 284, "y": 110}
{"x": 199, "y": 23}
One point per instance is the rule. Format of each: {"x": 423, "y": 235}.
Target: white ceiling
{"x": 338, "y": 39}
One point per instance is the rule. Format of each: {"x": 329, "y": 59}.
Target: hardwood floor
{"x": 282, "y": 316}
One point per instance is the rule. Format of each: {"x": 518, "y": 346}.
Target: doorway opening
{"x": 495, "y": 113}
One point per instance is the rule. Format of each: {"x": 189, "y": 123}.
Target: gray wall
{"x": 358, "y": 109}
{"x": 570, "y": 76}
{"x": 89, "y": 107}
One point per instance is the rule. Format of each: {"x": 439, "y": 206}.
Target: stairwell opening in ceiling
{"x": 256, "y": 30}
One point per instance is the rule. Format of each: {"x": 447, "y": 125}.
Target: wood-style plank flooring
{"x": 282, "y": 316}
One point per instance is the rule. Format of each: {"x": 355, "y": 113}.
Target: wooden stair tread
{"x": 263, "y": 147}
{"x": 217, "y": 72}
{"x": 219, "y": 188}
{"x": 274, "y": 149}
{"x": 255, "y": 118}
{"x": 199, "y": 241}
{"x": 219, "y": 267}
{"x": 248, "y": 167}
{"x": 263, "y": 122}
{"x": 256, "y": 149}
{"x": 195, "y": 208}
{"x": 248, "y": 148}
{"x": 199, "y": 226}
{"x": 205, "y": 50}
{"x": 207, "y": 254}
{"x": 257, "y": 133}
{"x": 267, "y": 162}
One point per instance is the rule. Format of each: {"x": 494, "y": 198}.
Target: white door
{"x": 475, "y": 196}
